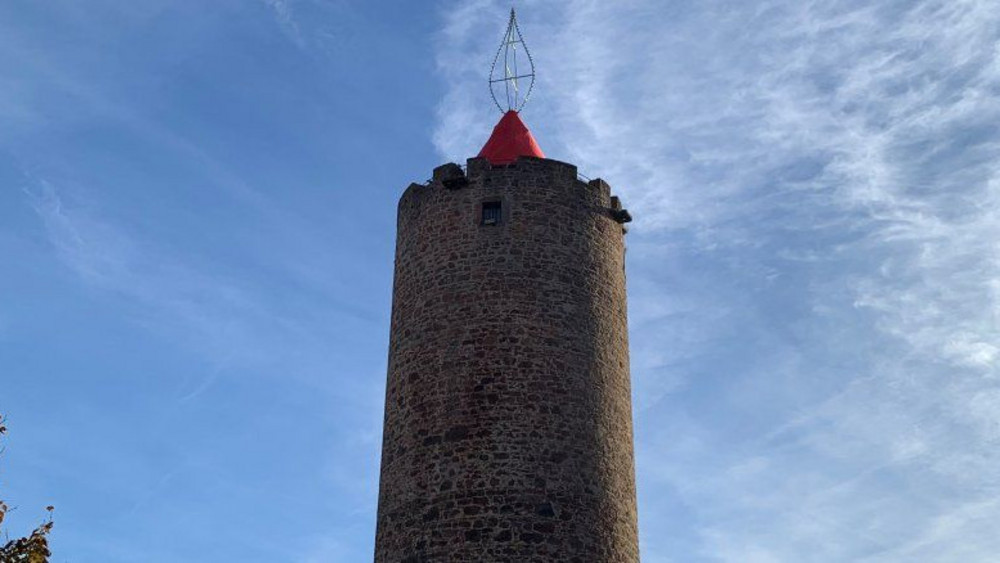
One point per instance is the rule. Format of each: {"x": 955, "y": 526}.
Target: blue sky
{"x": 197, "y": 217}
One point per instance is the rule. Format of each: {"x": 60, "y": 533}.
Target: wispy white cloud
{"x": 224, "y": 316}
{"x": 229, "y": 321}
{"x": 286, "y": 20}
{"x": 213, "y": 311}
{"x": 328, "y": 27}
{"x": 813, "y": 269}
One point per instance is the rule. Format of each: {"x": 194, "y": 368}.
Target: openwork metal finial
{"x": 511, "y": 92}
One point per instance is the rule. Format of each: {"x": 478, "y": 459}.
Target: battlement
{"x": 542, "y": 173}
{"x": 560, "y": 171}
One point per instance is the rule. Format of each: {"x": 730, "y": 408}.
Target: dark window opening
{"x": 491, "y": 213}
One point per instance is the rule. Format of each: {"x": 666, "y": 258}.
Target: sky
{"x": 197, "y": 223}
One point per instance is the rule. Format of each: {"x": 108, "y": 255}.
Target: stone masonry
{"x": 508, "y": 428}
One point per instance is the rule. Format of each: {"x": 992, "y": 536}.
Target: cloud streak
{"x": 214, "y": 310}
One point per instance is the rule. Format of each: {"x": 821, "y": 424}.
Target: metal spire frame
{"x": 511, "y": 89}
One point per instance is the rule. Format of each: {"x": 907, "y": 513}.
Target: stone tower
{"x": 508, "y": 428}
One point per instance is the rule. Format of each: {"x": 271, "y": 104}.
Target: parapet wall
{"x": 508, "y": 433}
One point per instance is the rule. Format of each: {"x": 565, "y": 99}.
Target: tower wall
{"x": 508, "y": 429}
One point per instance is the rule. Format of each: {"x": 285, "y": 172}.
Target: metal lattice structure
{"x": 511, "y": 92}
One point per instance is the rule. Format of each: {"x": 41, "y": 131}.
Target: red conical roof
{"x": 510, "y": 139}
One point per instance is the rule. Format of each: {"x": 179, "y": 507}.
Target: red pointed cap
{"x": 510, "y": 139}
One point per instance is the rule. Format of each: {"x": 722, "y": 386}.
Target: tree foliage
{"x": 33, "y": 548}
